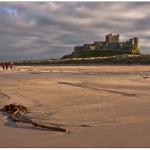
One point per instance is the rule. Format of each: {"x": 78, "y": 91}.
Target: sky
{"x": 45, "y": 30}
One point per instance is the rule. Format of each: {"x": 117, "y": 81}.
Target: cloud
{"x": 41, "y": 30}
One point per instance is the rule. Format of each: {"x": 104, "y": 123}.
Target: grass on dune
{"x": 118, "y": 59}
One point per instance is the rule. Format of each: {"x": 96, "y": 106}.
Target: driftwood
{"x": 144, "y": 76}
{"x": 16, "y": 113}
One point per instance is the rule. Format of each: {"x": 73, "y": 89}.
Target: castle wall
{"x": 136, "y": 42}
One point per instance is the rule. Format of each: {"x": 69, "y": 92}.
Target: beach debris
{"x": 144, "y": 76}
{"x": 17, "y": 112}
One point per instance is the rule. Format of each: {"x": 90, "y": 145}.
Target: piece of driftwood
{"x": 16, "y": 113}
{"x": 144, "y": 76}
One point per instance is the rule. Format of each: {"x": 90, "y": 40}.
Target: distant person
{"x": 6, "y": 65}
{"x": 11, "y": 65}
{"x": 3, "y": 65}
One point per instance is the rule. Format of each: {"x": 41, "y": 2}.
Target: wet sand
{"x": 102, "y": 106}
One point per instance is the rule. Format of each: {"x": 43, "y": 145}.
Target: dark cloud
{"x": 41, "y": 30}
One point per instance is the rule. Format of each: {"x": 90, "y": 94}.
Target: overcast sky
{"x": 41, "y": 30}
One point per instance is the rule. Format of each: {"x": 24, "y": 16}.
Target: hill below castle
{"x": 119, "y": 59}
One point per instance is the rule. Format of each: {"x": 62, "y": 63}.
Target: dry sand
{"x": 102, "y": 106}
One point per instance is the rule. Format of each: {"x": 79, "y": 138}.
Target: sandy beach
{"x": 101, "y": 106}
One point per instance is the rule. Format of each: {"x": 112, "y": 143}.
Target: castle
{"x": 111, "y": 46}
{"x": 111, "y": 42}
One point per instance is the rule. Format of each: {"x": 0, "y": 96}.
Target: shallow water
{"x": 19, "y": 75}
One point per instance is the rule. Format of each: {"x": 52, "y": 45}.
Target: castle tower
{"x": 109, "y": 38}
{"x": 118, "y": 40}
{"x": 106, "y": 39}
{"x": 112, "y": 38}
{"x": 136, "y": 42}
{"x": 131, "y": 42}
{"x": 115, "y": 38}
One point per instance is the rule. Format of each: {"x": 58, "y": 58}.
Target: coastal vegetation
{"x": 117, "y": 59}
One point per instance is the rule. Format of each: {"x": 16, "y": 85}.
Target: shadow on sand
{"x": 97, "y": 89}
{"x": 12, "y": 124}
